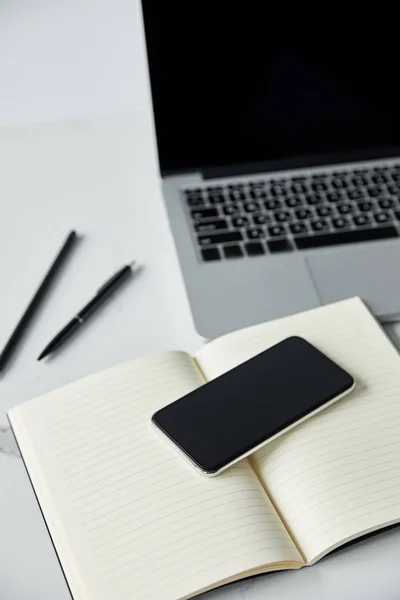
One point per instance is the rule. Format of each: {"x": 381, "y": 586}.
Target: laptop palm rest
{"x": 371, "y": 272}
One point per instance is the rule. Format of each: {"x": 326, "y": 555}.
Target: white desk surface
{"x": 85, "y": 58}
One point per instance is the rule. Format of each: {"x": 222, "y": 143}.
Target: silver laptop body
{"x": 259, "y": 240}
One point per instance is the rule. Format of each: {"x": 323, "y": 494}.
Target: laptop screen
{"x": 251, "y": 85}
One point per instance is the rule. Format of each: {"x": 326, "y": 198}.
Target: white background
{"x": 67, "y": 58}
{"x": 63, "y": 59}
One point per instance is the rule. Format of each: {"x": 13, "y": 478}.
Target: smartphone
{"x": 237, "y": 413}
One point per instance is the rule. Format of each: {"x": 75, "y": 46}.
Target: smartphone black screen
{"x": 238, "y": 411}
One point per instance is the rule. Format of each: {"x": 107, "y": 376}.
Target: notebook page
{"x": 128, "y": 516}
{"x": 336, "y": 476}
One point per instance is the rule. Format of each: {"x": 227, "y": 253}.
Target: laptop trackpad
{"x": 371, "y": 272}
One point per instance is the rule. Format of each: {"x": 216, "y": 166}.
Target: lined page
{"x": 129, "y": 517}
{"x": 336, "y": 476}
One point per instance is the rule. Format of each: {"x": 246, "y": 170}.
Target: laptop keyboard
{"x": 269, "y": 216}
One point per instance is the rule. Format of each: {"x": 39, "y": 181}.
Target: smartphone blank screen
{"x": 240, "y": 410}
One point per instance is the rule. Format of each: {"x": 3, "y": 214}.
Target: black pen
{"x": 38, "y": 299}
{"x": 100, "y": 297}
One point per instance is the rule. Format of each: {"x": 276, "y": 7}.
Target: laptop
{"x": 279, "y": 144}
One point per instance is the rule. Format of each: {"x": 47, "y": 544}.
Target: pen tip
{"x": 41, "y": 356}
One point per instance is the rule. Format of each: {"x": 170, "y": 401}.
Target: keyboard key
{"x": 236, "y": 187}
{"x": 313, "y": 199}
{"x": 382, "y": 217}
{"x": 303, "y": 213}
{"x": 359, "y": 181}
{"x": 339, "y": 183}
{"x": 254, "y": 248}
{"x": 254, "y": 233}
{"x": 215, "y": 189}
{"x": 204, "y": 213}
{"x": 231, "y": 209}
{"x": 354, "y": 194}
{"x": 319, "y": 186}
{"x": 220, "y": 238}
{"x": 276, "y": 230}
{"x": 374, "y": 192}
{"x": 324, "y": 211}
{"x": 319, "y": 176}
{"x": 278, "y": 190}
{"x": 279, "y": 246}
{"x": 251, "y": 207}
{"x": 340, "y": 223}
{"x": 257, "y": 193}
{"x": 297, "y": 228}
{"x": 386, "y": 203}
{"x": 233, "y": 251}
{"x": 394, "y": 189}
{"x": 194, "y": 201}
{"x": 319, "y": 225}
{"x": 216, "y": 199}
{"x": 334, "y": 196}
{"x": 209, "y": 226}
{"x": 298, "y": 178}
{"x": 293, "y": 201}
{"x": 261, "y": 219}
{"x": 379, "y": 178}
{"x": 397, "y": 214}
{"x": 345, "y": 237}
{"x": 193, "y": 192}
{"x": 210, "y": 254}
{"x": 272, "y": 204}
{"x": 237, "y": 195}
{"x": 282, "y": 215}
{"x": 383, "y": 169}
{"x": 365, "y": 206}
{"x": 298, "y": 188}
{"x": 344, "y": 209}
{"x": 396, "y": 176}
{"x": 361, "y": 220}
{"x": 240, "y": 221}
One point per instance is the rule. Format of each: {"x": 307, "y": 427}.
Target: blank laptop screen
{"x": 248, "y": 82}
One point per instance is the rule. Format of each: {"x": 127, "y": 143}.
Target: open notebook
{"x": 129, "y": 518}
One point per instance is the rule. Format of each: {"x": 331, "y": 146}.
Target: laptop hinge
{"x": 223, "y": 171}
{"x": 266, "y": 166}
{"x": 302, "y": 162}
{"x": 234, "y": 170}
